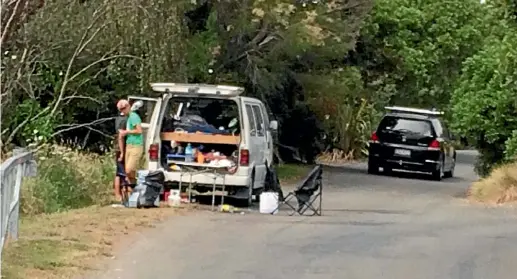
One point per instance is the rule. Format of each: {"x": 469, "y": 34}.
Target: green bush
{"x": 484, "y": 105}
{"x": 67, "y": 179}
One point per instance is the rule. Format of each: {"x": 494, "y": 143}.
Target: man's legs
{"x": 133, "y": 155}
{"x": 118, "y": 195}
{"x": 118, "y": 181}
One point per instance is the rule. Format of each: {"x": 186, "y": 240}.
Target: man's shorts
{"x": 121, "y": 172}
{"x": 132, "y": 157}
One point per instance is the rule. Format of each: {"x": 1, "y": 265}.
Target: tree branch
{"x": 79, "y": 48}
{"x": 6, "y": 27}
{"x": 83, "y": 125}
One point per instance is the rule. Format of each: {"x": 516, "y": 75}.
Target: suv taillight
{"x": 374, "y": 137}
{"x": 434, "y": 145}
{"x": 154, "y": 149}
{"x": 244, "y": 157}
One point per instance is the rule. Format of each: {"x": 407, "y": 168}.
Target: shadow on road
{"x": 354, "y": 169}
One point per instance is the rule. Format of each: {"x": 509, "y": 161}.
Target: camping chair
{"x": 310, "y": 190}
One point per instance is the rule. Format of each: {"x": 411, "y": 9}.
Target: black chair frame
{"x": 307, "y": 193}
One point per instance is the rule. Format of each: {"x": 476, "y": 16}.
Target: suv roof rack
{"x": 414, "y": 110}
{"x": 197, "y": 89}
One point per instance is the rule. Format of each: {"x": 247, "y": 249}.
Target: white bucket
{"x": 174, "y": 199}
{"x": 268, "y": 203}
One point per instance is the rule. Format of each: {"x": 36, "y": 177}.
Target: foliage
{"x": 339, "y": 98}
{"x": 324, "y": 69}
{"x": 67, "y": 179}
{"x": 411, "y": 51}
{"x": 510, "y": 151}
{"x": 484, "y": 104}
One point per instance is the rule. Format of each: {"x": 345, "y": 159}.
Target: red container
{"x": 166, "y": 195}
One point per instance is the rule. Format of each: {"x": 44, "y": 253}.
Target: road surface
{"x": 373, "y": 227}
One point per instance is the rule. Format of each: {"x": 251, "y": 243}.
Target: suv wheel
{"x": 373, "y": 168}
{"x": 450, "y": 173}
{"x": 438, "y": 174}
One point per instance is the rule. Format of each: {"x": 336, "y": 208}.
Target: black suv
{"x": 414, "y": 140}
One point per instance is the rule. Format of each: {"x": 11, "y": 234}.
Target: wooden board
{"x": 200, "y": 138}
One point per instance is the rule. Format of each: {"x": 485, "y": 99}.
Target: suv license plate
{"x": 403, "y": 152}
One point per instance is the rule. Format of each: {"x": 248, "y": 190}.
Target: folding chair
{"x": 310, "y": 190}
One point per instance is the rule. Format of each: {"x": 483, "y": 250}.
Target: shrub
{"x": 484, "y": 104}
{"x": 500, "y": 186}
{"x": 67, "y": 179}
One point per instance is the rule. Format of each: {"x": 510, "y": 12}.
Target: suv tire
{"x": 438, "y": 174}
{"x": 373, "y": 168}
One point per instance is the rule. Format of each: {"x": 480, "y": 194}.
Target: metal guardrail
{"x": 12, "y": 171}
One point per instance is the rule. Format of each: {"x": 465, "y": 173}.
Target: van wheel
{"x": 249, "y": 201}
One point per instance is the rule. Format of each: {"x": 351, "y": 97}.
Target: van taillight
{"x": 153, "y": 151}
{"x": 244, "y": 157}
{"x": 374, "y": 137}
{"x": 434, "y": 145}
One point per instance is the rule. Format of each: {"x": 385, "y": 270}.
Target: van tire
{"x": 249, "y": 201}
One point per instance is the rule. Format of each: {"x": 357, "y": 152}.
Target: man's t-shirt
{"x": 121, "y": 124}
{"x": 134, "y": 139}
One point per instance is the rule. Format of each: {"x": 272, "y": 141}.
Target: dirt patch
{"x": 499, "y": 187}
{"x": 62, "y": 245}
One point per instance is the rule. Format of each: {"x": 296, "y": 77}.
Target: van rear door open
{"x": 149, "y": 113}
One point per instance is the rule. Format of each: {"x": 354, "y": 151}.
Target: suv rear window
{"x": 405, "y": 126}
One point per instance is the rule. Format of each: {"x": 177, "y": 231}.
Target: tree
{"x": 411, "y": 52}
{"x": 485, "y": 103}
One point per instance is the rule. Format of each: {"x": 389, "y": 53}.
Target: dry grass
{"x": 61, "y": 245}
{"x": 499, "y": 187}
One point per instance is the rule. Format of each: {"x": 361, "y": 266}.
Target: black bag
{"x": 272, "y": 183}
{"x": 151, "y": 189}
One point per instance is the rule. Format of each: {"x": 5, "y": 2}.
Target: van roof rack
{"x": 414, "y": 110}
{"x": 197, "y": 89}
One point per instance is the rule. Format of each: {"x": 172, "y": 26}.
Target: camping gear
{"x": 268, "y": 203}
{"x": 189, "y": 153}
{"x": 147, "y": 193}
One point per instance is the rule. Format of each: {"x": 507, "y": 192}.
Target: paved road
{"x": 373, "y": 227}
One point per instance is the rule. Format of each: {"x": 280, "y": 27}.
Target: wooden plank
{"x": 200, "y": 138}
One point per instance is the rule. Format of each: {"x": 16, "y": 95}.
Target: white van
{"x": 219, "y": 119}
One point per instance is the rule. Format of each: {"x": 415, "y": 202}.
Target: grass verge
{"x": 291, "y": 172}
{"x": 67, "y": 179}
{"x": 61, "y": 245}
{"x": 499, "y": 187}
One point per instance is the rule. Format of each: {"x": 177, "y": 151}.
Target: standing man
{"x": 134, "y": 139}
{"x": 120, "y": 143}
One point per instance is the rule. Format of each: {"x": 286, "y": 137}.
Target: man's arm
{"x": 135, "y": 120}
{"x": 121, "y": 144}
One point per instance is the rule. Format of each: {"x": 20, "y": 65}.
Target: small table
{"x": 193, "y": 169}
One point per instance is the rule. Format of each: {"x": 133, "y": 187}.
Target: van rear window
{"x": 405, "y": 126}
{"x": 208, "y": 115}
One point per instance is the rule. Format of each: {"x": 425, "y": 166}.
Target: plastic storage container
{"x": 268, "y": 203}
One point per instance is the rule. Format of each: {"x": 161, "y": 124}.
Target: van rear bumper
{"x": 206, "y": 178}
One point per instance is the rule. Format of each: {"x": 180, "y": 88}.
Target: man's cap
{"x": 121, "y": 104}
